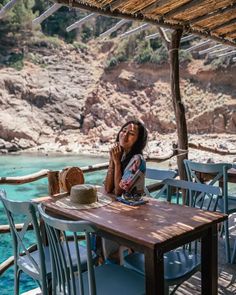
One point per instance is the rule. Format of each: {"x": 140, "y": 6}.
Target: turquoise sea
{"x": 19, "y": 165}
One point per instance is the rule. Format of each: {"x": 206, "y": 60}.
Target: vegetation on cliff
{"x": 77, "y": 88}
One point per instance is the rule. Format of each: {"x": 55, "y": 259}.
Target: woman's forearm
{"x": 109, "y": 180}
{"x": 117, "y": 179}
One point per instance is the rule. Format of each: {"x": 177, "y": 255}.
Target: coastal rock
{"x": 61, "y": 100}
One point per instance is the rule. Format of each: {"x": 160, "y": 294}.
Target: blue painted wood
{"x": 159, "y": 174}
{"x": 225, "y": 203}
{"x": 100, "y": 280}
{"x": 37, "y": 263}
{"x": 179, "y": 264}
{"x": 33, "y": 264}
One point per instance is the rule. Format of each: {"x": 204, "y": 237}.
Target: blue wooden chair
{"x": 105, "y": 279}
{"x": 218, "y": 177}
{"x": 160, "y": 175}
{"x": 179, "y": 264}
{"x": 36, "y": 264}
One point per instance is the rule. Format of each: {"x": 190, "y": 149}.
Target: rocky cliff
{"x": 66, "y": 97}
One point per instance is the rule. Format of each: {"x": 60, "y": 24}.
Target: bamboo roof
{"x": 214, "y": 19}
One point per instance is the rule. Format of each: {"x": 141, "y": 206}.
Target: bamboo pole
{"x": 53, "y": 183}
{"x": 5, "y": 229}
{"x": 24, "y": 179}
{"x": 10, "y": 261}
{"x": 177, "y": 103}
{"x": 46, "y": 14}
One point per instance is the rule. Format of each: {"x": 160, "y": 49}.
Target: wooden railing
{"x": 36, "y": 176}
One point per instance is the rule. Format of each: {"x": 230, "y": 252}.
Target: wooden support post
{"x": 177, "y": 103}
{"x": 53, "y": 183}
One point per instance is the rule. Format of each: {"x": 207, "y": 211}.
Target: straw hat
{"x": 84, "y": 196}
{"x": 69, "y": 177}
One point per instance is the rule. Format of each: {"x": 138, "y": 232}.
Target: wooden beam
{"x": 24, "y": 179}
{"x": 179, "y": 109}
{"x": 149, "y": 8}
{"x": 210, "y": 49}
{"x": 114, "y": 28}
{"x": 7, "y": 7}
{"x": 228, "y": 53}
{"x": 152, "y": 36}
{"x": 141, "y": 17}
{"x": 115, "y": 4}
{"x": 200, "y": 147}
{"x": 80, "y": 22}
{"x": 5, "y": 229}
{"x": 53, "y": 183}
{"x": 115, "y": 14}
{"x": 134, "y": 31}
{"x": 96, "y": 167}
{"x": 225, "y": 49}
{"x": 223, "y": 25}
{"x": 209, "y": 15}
{"x": 46, "y": 14}
{"x": 164, "y": 36}
{"x": 199, "y": 45}
{"x": 10, "y": 261}
{"x": 182, "y": 8}
{"x": 188, "y": 38}
{"x": 6, "y": 264}
{"x": 228, "y": 33}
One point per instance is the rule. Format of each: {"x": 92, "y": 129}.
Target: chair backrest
{"x": 216, "y": 172}
{"x": 202, "y": 196}
{"x": 158, "y": 174}
{"x": 63, "y": 275}
{"x": 25, "y": 211}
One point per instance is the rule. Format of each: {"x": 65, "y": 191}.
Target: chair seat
{"x": 27, "y": 266}
{"x": 115, "y": 280}
{"x": 177, "y": 264}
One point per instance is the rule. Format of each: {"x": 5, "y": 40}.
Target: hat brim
{"x": 66, "y": 203}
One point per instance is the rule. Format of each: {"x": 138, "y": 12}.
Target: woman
{"x": 126, "y": 161}
{"x": 130, "y": 142}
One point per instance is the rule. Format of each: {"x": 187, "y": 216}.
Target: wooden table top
{"x": 151, "y": 224}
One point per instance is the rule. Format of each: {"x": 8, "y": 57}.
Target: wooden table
{"x": 155, "y": 228}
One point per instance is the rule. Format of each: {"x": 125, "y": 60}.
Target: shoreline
{"x": 155, "y": 148}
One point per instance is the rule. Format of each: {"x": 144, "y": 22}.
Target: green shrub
{"x": 220, "y": 62}
{"x": 16, "y": 61}
{"x": 111, "y": 63}
{"x": 160, "y": 56}
{"x": 143, "y": 52}
{"x": 80, "y": 46}
{"x": 155, "y": 43}
{"x": 144, "y": 56}
{"x": 87, "y": 33}
{"x": 185, "y": 56}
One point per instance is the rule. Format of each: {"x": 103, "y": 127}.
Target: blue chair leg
{"x": 227, "y": 245}
{"x": 234, "y": 254}
{"x": 17, "y": 280}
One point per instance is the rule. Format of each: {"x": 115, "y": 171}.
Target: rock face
{"x": 69, "y": 99}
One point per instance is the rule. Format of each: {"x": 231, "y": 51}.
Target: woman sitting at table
{"x": 126, "y": 158}
{"x": 126, "y": 171}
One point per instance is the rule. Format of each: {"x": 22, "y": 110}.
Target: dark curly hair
{"x": 140, "y": 143}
